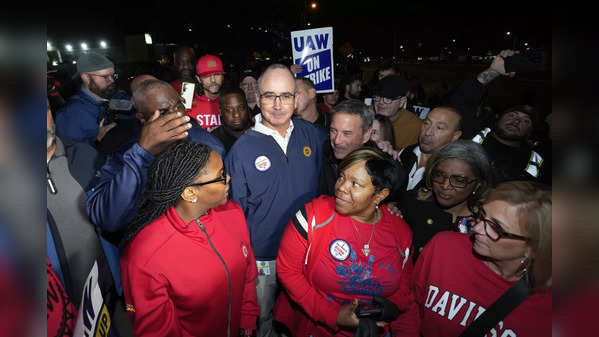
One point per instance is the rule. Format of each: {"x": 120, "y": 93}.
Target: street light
{"x": 69, "y": 47}
{"x": 508, "y": 33}
{"x": 103, "y": 44}
{"x": 313, "y": 5}
{"x": 48, "y": 45}
{"x": 83, "y": 46}
{"x": 309, "y": 24}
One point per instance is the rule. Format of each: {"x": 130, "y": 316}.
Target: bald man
{"x": 274, "y": 170}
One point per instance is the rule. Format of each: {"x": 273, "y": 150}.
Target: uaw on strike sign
{"x": 313, "y": 49}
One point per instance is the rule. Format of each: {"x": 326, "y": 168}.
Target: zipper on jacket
{"x": 203, "y": 228}
{"x": 50, "y": 182}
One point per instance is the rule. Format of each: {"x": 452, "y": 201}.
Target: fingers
{"x": 109, "y": 126}
{"x": 102, "y": 122}
{"x": 155, "y": 116}
{"x": 381, "y": 324}
{"x": 180, "y": 132}
{"x": 171, "y": 122}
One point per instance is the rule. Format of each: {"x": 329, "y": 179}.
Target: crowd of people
{"x": 260, "y": 207}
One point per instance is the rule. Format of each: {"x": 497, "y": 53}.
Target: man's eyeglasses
{"x": 113, "y": 76}
{"x": 385, "y": 100}
{"x": 494, "y": 231}
{"x": 223, "y": 178}
{"x": 285, "y": 98}
{"x": 456, "y": 181}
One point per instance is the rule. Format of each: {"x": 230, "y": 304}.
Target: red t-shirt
{"x": 203, "y": 109}
{"x": 452, "y": 287}
{"x": 341, "y": 272}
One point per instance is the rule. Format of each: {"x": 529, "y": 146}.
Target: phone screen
{"x": 187, "y": 90}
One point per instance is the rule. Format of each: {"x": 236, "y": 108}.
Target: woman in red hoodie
{"x": 187, "y": 267}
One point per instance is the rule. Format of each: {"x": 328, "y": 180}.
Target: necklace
{"x": 366, "y": 249}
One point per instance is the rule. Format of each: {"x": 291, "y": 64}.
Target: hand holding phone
{"x": 187, "y": 90}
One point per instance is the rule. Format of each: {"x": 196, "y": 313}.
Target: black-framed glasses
{"x": 494, "y": 231}
{"x": 223, "y": 178}
{"x": 113, "y": 76}
{"x": 385, "y": 100}
{"x": 285, "y": 98}
{"x": 456, "y": 181}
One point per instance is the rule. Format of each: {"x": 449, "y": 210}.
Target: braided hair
{"x": 168, "y": 175}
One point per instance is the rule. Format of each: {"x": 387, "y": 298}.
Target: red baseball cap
{"x": 209, "y": 64}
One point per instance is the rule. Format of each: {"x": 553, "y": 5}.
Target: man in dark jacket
{"x": 73, "y": 249}
{"x": 82, "y": 118}
{"x": 235, "y": 117}
{"x": 511, "y": 156}
{"x": 351, "y": 126}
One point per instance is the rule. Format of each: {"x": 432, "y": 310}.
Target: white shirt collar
{"x": 263, "y": 129}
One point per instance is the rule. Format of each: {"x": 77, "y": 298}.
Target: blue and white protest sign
{"x": 313, "y": 49}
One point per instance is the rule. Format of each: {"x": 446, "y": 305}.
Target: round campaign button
{"x": 262, "y": 163}
{"x": 339, "y": 250}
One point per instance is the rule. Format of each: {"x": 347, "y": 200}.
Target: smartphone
{"x": 368, "y": 311}
{"x": 187, "y": 90}
{"x": 368, "y": 101}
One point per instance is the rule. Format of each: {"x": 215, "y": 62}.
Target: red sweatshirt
{"x": 203, "y": 109}
{"x": 338, "y": 271}
{"x": 175, "y": 284}
{"x": 452, "y": 287}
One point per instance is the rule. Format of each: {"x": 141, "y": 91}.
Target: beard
{"x": 213, "y": 88}
{"x": 106, "y": 93}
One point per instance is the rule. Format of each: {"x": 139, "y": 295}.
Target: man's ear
{"x": 258, "y": 100}
{"x": 402, "y": 102}
{"x": 85, "y": 79}
{"x": 456, "y": 135}
{"x": 367, "y": 134}
{"x": 312, "y": 93}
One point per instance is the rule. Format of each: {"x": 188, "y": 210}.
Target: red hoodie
{"x": 175, "y": 284}
{"x": 203, "y": 109}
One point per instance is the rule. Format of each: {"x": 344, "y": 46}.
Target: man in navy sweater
{"x": 274, "y": 170}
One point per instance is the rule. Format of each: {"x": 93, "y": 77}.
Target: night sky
{"x": 376, "y": 28}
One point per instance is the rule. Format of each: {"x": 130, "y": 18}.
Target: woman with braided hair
{"x": 187, "y": 265}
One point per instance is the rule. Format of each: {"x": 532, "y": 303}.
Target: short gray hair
{"x": 273, "y": 67}
{"x": 139, "y": 95}
{"x": 355, "y": 107}
{"x": 470, "y": 152}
